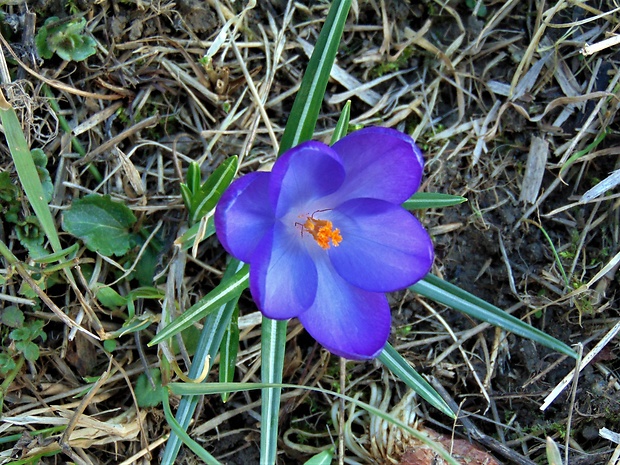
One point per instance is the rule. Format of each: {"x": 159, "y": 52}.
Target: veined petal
{"x": 244, "y": 215}
{"x": 347, "y": 321}
{"x": 307, "y": 172}
{"x": 283, "y": 276}
{"x": 380, "y": 163}
{"x": 384, "y": 247}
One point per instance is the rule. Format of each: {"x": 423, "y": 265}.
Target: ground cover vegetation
{"x": 136, "y": 112}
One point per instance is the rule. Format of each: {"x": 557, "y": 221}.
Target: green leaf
{"x": 40, "y": 41}
{"x": 27, "y": 171}
{"x": 205, "y": 199}
{"x": 186, "y": 194}
{"x": 146, "y": 292}
{"x": 186, "y": 241}
{"x": 323, "y": 458}
{"x": 193, "y": 177}
{"x": 12, "y": 316}
{"x": 29, "y": 349}
{"x": 36, "y": 330}
{"x": 109, "y": 298}
{"x": 217, "y": 388}
{"x": 66, "y": 38}
{"x": 226, "y": 291}
{"x": 180, "y": 432}
{"x": 20, "y": 334}
{"x": 83, "y": 47}
{"x": 57, "y": 256}
{"x": 7, "y": 364}
{"x": 228, "y": 352}
{"x": 31, "y": 236}
{"x": 40, "y": 161}
{"x": 136, "y": 323}
{"x": 421, "y": 200}
{"x": 343, "y": 123}
{"x": 553, "y": 452}
{"x": 405, "y": 372}
{"x": 147, "y": 394}
{"x": 305, "y": 111}
{"x": 591, "y": 147}
{"x": 9, "y": 198}
{"x": 210, "y": 339}
{"x": 452, "y": 296}
{"x": 110, "y": 345}
{"x": 272, "y": 366}
{"x": 103, "y": 225}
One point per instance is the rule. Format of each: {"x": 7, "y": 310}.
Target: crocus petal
{"x": 283, "y": 276}
{"x": 383, "y": 248}
{"x": 307, "y": 172}
{"x": 244, "y": 215}
{"x": 380, "y": 163}
{"x": 347, "y": 321}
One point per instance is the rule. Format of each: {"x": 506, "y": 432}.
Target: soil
{"x": 474, "y": 93}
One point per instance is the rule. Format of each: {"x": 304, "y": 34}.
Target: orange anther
{"x": 323, "y": 232}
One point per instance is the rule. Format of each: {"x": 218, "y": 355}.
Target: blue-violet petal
{"x": 244, "y": 215}
{"x": 384, "y": 247}
{"x": 307, "y": 172}
{"x": 347, "y": 321}
{"x": 380, "y": 163}
{"x": 283, "y": 276}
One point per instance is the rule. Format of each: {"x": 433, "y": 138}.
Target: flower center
{"x": 322, "y": 231}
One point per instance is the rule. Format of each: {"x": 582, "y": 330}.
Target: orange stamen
{"x": 323, "y": 232}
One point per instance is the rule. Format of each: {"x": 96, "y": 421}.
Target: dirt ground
{"x": 495, "y": 92}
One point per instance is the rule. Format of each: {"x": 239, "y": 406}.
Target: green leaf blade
{"x": 273, "y": 344}
{"x": 452, "y": 296}
{"x": 405, "y": 372}
{"x": 322, "y": 458}
{"x": 228, "y": 352}
{"x": 210, "y": 192}
{"x": 305, "y": 112}
{"x": 27, "y": 171}
{"x": 226, "y": 291}
{"x": 210, "y": 340}
{"x": 421, "y": 200}
{"x": 342, "y": 125}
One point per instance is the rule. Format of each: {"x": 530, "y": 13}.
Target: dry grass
{"x": 501, "y": 104}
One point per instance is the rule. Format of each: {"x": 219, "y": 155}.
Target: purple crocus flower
{"x": 325, "y": 236}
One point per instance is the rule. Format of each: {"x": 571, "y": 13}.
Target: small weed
{"x": 66, "y": 38}
{"x": 389, "y": 67}
{"x": 481, "y": 11}
{"x": 20, "y": 339}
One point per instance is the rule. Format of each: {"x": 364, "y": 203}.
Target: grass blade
{"x": 448, "y": 294}
{"x": 405, "y": 372}
{"x": 218, "y": 388}
{"x": 422, "y": 200}
{"x": 180, "y": 432}
{"x": 206, "y": 197}
{"x": 228, "y": 351}
{"x": 273, "y": 344}
{"x": 323, "y": 458}
{"x": 210, "y": 340}
{"x": 27, "y": 171}
{"x": 226, "y": 291}
{"x": 305, "y": 112}
{"x": 342, "y": 126}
